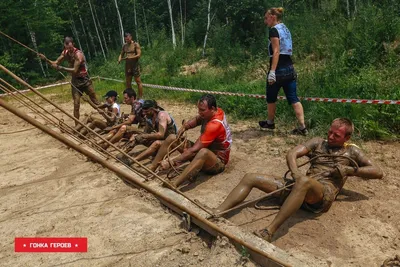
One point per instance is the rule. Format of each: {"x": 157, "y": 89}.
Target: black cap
{"x": 111, "y": 93}
{"x": 149, "y": 104}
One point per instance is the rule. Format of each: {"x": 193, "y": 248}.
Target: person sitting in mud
{"x": 159, "y": 125}
{"x": 335, "y": 160}
{"x": 210, "y": 152}
{"x": 110, "y": 111}
{"x": 127, "y": 128}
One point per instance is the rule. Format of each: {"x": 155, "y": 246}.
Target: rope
{"x": 61, "y": 125}
{"x": 18, "y": 131}
{"x": 256, "y": 201}
{"x": 48, "y": 62}
{"x": 312, "y": 99}
{"x": 27, "y": 47}
{"x": 176, "y": 170}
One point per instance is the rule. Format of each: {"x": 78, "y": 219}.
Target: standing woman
{"x": 281, "y": 72}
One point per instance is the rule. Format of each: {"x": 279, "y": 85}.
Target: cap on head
{"x": 111, "y": 93}
{"x": 149, "y": 104}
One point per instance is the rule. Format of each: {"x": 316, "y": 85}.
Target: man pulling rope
{"x": 316, "y": 190}
{"x": 210, "y": 152}
{"x": 80, "y": 81}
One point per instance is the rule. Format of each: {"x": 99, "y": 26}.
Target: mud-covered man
{"x": 80, "y": 81}
{"x": 210, "y": 152}
{"x": 316, "y": 190}
{"x": 109, "y": 111}
{"x": 131, "y": 125}
{"x": 159, "y": 125}
{"x": 131, "y": 53}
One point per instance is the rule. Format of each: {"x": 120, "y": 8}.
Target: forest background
{"x": 342, "y": 48}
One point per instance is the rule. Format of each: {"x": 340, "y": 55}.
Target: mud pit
{"x": 48, "y": 190}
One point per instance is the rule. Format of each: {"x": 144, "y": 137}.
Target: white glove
{"x": 271, "y": 76}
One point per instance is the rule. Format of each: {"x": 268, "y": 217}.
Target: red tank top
{"x": 71, "y": 60}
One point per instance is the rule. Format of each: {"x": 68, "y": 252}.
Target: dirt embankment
{"x": 48, "y": 190}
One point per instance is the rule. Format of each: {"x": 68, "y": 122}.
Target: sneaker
{"x": 124, "y": 159}
{"x": 266, "y": 125}
{"x": 297, "y": 131}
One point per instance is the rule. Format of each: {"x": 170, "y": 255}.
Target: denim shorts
{"x": 285, "y": 78}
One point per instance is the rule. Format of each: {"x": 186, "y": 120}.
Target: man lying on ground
{"x": 316, "y": 190}
{"x": 159, "y": 125}
{"x": 110, "y": 111}
{"x": 210, "y": 152}
{"x": 127, "y": 128}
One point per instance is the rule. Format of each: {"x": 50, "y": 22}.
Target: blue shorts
{"x": 285, "y": 78}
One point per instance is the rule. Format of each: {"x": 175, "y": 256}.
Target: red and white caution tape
{"x": 172, "y": 88}
{"x": 312, "y": 99}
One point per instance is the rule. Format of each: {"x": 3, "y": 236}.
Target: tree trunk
{"x": 76, "y": 33}
{"x": 145, "y": 24}
{"x": 33, "y": 38}
{"x": 208, "y": 27}
{"x": 106, "y": 22}
{"x": 136, "y": 25}
{"x": 92, "y": 41}
{"x": 182, "y": 27}
{"x": 86, "y": 38}
{"x": 97, "y": 31}
{"x": 355, "y": 8}
{"x": 101, "y": 30}
{"x": 121, "y": 28}
{"x": 172, "y": 24}
{"x": 348, "y": 8}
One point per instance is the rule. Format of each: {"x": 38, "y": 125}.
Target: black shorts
{"x": 81, "y": 85}
{"x": 132, "y": 68}
{"x": 286, "y": 79}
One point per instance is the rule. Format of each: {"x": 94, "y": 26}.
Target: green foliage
{"x": 225, "y": 52}
{"x": 339, "y": 51}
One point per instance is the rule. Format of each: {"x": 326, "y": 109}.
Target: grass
{"x": 319, "y": 79}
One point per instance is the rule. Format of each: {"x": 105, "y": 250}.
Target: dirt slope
{"x": 47, "y": 190}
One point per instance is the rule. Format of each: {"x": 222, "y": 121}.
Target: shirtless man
{"x": 80, "y": 81}
{"x": 316, "y": 190}
{"x": 127, "y": 128}
{"x": 110, "y": 112}
{"x": 210, "y": 152}
{"x": 131, "y": 53}
{"x": 159, "y": 125}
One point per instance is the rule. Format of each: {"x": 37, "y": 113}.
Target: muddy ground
{"x": 48, "y": 190}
